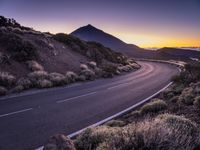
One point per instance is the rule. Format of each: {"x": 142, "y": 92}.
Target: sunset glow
{"x": 146, "y": 24}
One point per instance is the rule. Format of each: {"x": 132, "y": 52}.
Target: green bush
{"x": 153, "y": 107}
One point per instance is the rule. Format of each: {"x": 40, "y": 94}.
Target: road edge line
{"x": 115, "y": 115}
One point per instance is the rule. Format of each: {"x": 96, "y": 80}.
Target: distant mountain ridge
{"x": 91, "y": 33}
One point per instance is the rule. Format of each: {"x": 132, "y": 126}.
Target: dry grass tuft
{"x": 34, "y": 66}
{"x": 38, "y": 75}
{"x": 58, "y": 79}
{"x": 153, "y": 107}
{"x": 44, "y": 83}
{"x": 71, "y": 76}
{"x": 25, "y": 82}
{"x": 164, "y": 132}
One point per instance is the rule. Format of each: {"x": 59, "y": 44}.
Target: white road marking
{"x": 120, "y": 113}
{"x": 16, "y": 112}
{"x": 117, "y": 86}
{"x": 115, "y": 115}
{"x": 84, "y": 95}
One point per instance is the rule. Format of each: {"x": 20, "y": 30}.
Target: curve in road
{"x": 28, "y": 120}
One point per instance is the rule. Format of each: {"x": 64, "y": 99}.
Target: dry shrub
{"x": 164, "y": 132}
{"x": 37, "y": 75}
{"x": 57, "y": 79}
{"x": 180, "y": 124}
{"x": 88, "y": 74}
{"x": 109, "y": 70}
{"x": 126, "y": 68}
{"x": 44, "y": 83}
{"x": 59, "y": 142}
{"x": 81, "y": 78}
{"x": 115, "y": 123}
{"x": 3, "y": 90}
{"x": 135, "y": 65}
{"x": 92, "y": 64}
{"x": 133, "y": 116}
{"x": 154, "y": 107}
{"x": 71, "y": 76}
{"x": 18, "y": 88}
{"x": 98, "y": 72}
{"x": 34, "y": 66}
{"x": 25, "y": 82}
{"x": 187, "y": 96}
{"x": 83, "y": 67}
{"x": 92, "y": 137}
{"x": 7, "y": 79}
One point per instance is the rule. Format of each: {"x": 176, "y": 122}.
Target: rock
{"x": 59, "y": 142}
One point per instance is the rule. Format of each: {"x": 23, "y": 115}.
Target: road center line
{"x": 119, "y": 85}
{"x": 84, "y": 95}
{"x": 15, "y": 112}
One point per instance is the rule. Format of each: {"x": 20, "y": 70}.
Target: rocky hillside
{"x": 31, "y": 58}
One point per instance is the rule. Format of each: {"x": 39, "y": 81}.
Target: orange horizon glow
{"x": 158, "y": 41}
{"x": 139, "y": 37}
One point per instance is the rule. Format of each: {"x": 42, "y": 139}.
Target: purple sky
{"x": 147, "y": 23}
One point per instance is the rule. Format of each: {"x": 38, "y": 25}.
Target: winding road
{"x": 26, "y": 121}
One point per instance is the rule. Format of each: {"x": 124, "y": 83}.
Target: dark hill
{"x": 91, "y": 33}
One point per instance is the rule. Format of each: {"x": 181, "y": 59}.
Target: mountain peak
{"x": 91, "y": 33}
{"x": 88, "y": 27}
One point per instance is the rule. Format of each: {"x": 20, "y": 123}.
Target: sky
{"x": 146, "y": 23}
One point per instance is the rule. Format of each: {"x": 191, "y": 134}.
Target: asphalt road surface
{"x": 27, "y": 121}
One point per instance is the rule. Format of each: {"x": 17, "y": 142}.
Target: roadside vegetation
{"x": 31, "y": 59}
{"x": 39, "y": 78}
{"x": 169, "y": 121}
